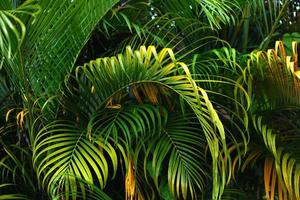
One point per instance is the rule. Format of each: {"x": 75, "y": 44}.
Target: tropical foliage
{"x": 138, "y": 99}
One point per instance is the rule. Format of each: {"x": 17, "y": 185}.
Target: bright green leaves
{"x": 46, "y": 44}
{"x": 91, "y": 192}
{"x": 14, "y": 22}
{"x": 63, "y": 154}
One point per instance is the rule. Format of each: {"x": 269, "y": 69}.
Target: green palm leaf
{"x": 128, "y": 123}
{"x": 54, "y": 41}
{"x": 62, "y": 151}
{"x": 16, "y": 168}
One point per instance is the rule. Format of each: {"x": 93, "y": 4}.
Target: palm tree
{"x": 155, "y": 105}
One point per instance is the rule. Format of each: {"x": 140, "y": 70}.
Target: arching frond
{"x": 105, "y": 77}
{"x": 14, "y": 20}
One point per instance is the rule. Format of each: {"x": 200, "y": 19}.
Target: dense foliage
{"x": 149, "y": 99}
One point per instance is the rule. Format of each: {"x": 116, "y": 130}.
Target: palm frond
{"x": 260, "y": 23}
{"x": 184, "y": 31}
{"x": 128, "y": 123}
{"x": 14, "y": 19}
{"x": 271, "y": 13}
{"x": 13, "y": 28}
{"x": 106, "y": 77}
{"x": 55, "y": 39}
{"x": 62, "y": 151}
{"x": 16, "y": 168}
{"x": 275, "y": 79}
{"x": 219, "y": 72}
{"x": 179, "y": 151}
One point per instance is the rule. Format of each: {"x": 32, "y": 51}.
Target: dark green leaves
{"x": 10, "y": 196}
{"x": 55, "y": 39}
